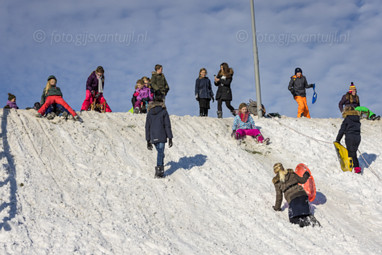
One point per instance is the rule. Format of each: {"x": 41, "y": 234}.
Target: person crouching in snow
{"x": 351, "y": 128}
{"x": 94, "y": 90}
{"x": 11, "y": 103}
{"x": 243, "y": 125}
{"x": 297, "y": 86}
{"x": 54, "y": 96}
{"x": 143, "y": 97}
{"x": 158, "y": 129}
{"x": 286, "y": 182}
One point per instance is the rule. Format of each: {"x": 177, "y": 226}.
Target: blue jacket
{"x": 239, "y": 124}
{"x": 158, "y": 125}
{"x": 203, "y": 88}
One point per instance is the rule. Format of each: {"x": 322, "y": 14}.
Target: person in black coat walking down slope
{"x": 158, "y": 129}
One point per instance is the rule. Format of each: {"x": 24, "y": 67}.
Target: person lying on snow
{"x": 286, "y": 182}
{"x": 244, "y": 125}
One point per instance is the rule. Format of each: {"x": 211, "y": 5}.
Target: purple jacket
{"x": 143, "y": 93}
{"x": 92, "y": 82}
{"x": 11, "y": 105}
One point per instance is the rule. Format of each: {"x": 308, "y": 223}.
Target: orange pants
{"x": 302, "y": 109}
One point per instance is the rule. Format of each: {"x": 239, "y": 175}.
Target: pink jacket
{"x": 143, "y": 93}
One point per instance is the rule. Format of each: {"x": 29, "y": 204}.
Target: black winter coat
{"x": 203, "y": 88}
{"x": 224, "y": 88}
{"x": 158, "y": 125}
{"x": 350, "y": 126}
{"x": 297, "y": 86}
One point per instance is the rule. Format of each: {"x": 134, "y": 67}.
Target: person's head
{"x": 11, "y": 97}
{"x": 202, "y": 73}
{"x": 146, "y": 80}
{"x": 99, "y": 71}
{"x": 140, "y": 84}
{"x": 52, "y": 80}
{"x": 158, "y": 69}
{"x": 243, "y": 108}
{"x": 158, "y": 96}
{"x": 224, "y": 68}
{"x": 278, "y": 168}
{"x": 298, "y": 71}
{"x": 352, "y": 89}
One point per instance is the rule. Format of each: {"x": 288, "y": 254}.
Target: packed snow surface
{"x": 89, "y": 188}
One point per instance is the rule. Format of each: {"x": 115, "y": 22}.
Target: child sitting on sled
{"x": 143, "y": 96}
{"x": 244, "y": 125}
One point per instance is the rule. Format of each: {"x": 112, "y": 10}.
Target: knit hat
{"x": 297, "y": 70}
{"x": 352, "y": 87}
{"x": 11, "y": 96}
{"x": 52, "y": 77}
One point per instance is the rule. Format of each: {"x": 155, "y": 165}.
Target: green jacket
{"x": 158, "y": 82}
{"x": 53, "y": 91}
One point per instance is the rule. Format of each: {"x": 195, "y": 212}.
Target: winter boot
{"x": 65, "y": 115}
{"x": 233, "y": 112}
{"x": 220, "y": 114}
{"x": 38, "y": 115}
{"x": 357, "y": 170}
{"x": 136, "y": 110}
{"x": 159, "y": 171}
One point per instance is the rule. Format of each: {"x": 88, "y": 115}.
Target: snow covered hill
{"x": 88, "y": 188}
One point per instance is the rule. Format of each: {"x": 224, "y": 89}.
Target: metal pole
{"x": 256, "y": 61}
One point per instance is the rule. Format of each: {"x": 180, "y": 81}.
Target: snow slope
{"x": 88, "y": 188}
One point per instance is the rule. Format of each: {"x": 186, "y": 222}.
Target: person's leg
{"x": 306, "y": 109}
{"x": 160, "y": 156}
{"x": 300, "y": 108}
{"x": 240, "y": 133}
{"x": 255, "y": 133}
{"x": 48, "y": 102}
{"x": 61, "y": 101}
{"x": 352, "y": 143}
{"x": 88, "y": 101}
{"x": 229, "y": 106}
{"x": 220, "y": 102}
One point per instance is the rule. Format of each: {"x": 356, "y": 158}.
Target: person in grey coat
{"x": 158, "y": 130}
{"x": 287, "y": 182}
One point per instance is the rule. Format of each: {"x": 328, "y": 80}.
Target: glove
{"x": 197, "y": 97}
{"x": 213, "y": 100}
{"x": 313, "y": 85}
{"x": 169, "y": 143}
{"x": 93, "y": 93}
{"x": 146, "y": 99}
{"x": 149, "y": 146}
{"x": 307, "y": 174}
{"x": 276, "y": 209}
{"x": 233, "y": 133}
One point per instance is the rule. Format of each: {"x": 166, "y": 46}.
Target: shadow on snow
{"x": 186, "y": 163}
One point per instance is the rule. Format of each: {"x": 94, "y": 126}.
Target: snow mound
{"x": 88, "y": 188}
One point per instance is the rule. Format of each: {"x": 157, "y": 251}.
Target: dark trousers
{"x": 352, "y": 142}
{"x": 227, "y": 103}
{"x": 204, "y": 105}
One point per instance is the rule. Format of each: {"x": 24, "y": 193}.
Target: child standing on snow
{"x": 159, "y": 82}
{"x": 351, "y": 99}
{"x": 11, "y": 103}
{"x": 53, "y": 95}
{"x": 243, "y": 125}
{"x": 203, "y": 92}
{"x": 297, "y": 86}
{"x": 94, "y": 89}
{"x": 158, "y": 129}
{"x": 351, "y": 128}
{"x": 143, "y": 97}
{"x": 286, "y": 182}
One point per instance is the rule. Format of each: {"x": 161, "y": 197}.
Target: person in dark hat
{"x": 158, "y": 130}
{"x": 11, "y": 103}
{"x": 297, "y": 86}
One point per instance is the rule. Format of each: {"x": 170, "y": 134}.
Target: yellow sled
{"x": 343, "y": 157}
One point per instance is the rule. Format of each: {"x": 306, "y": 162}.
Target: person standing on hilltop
{"x": 297, "y": 86}
{"x": 223, "y": 81}
{"x": 159, "y": 82}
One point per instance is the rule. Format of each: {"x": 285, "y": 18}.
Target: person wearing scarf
{"x": 94, "y": 89}
{"x": 244, "y": 125}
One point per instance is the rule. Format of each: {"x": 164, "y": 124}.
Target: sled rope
{"x": 368, "y": 165}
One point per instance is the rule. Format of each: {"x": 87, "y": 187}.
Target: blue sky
{"x": 333, "y": 42}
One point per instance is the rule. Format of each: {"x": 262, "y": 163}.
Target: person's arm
{"x": 279, "y": 198}
{"x": 304, "y": 177}
{"x": 167, "y": 125}
{"x": 197, "y": 82}
{"x": 235, "y": 123}
{"x": 291, "y": 87}
{"x": 341, "y": 103}
{"x": 89, "y": 83}
{"x": 154, "y": 84}
{"x": 148, "y": 126}
{"x": 226, "y": 82}
{"x": 166, "y": 87}
{"x": 341, "y": 132}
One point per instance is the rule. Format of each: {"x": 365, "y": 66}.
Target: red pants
{"x": 302, "y": 109}
{"x": 251, "y": 132}
{"x": 56, "y": 100}
{"x": 89, "y": 100}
